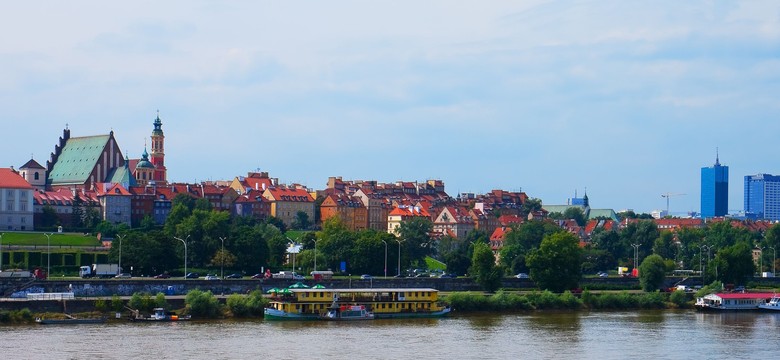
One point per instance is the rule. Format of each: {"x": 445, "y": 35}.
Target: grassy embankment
{"x": 545, "y": 300}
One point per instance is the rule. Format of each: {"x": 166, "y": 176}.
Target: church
{"x": 82, "y": 163}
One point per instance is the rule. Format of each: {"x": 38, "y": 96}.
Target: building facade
{"x": 16, "y": 201}
{"x": 762, "y": 197}
{"x": 714, "y": 190}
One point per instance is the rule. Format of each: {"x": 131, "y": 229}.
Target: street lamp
{"x": 761, "y": 262}
{"x": 184, "y": 241}
{"x": 120, "y": 252}
{"x": 701, "y": 257}
{"x": 222, "y": 259}
{"x": 399, "y": 256}
{"x": 1, "y": 251}
{"x": 636, "y": 254}
{"x": 315, "y": 253}
{"x": 774, "y": 258}
{"x": 48, "y": 255}
{"x": 385, "y": 258}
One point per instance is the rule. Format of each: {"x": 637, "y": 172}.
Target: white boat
{"x": 772, "y": 305}
{"x": 347, "y": 313}
{"x": 732, "y": 301}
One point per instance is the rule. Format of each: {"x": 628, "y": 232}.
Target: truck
{"x": 287, "y": 275}
{"x": 99, "y": 270}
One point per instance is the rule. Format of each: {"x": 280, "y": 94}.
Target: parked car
{"x": 298, "y": 277}
{"x": 522, "y": 276}
{"x": 448, "y": 276}
{"x": 162, "y": 276}
{"x": 123, "y": 276}
{"x": 603, "y": 274}
{"x": 211, "y": 277}
{"x": 235, "y": 276}
{"x": 366, "y": 277}
{"x": 257, "y": 276}
{"x": 192, "y": 275}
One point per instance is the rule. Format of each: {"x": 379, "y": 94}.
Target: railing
{"x": 51, "y": 296}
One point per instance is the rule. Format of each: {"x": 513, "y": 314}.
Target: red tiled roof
{"x": 745, "y": 295}
{"x": 11, "y": 180}
{"x": 499, "y": 233}
{"x": 103, "y": 189}
{"x": 292, "y": 195}
{"x": 409, "y": 211}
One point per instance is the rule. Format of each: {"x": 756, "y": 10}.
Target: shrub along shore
{"x": 204, "y": 305}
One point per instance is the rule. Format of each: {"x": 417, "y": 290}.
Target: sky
{"x": 627, "y": 99}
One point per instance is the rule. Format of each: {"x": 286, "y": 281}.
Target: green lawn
{"x": 37, "y": 238}
{"x": 434, "y": 264}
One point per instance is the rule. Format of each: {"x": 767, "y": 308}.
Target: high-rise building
{"x": 714, "y": 190}
{"x": 762, "y": 196}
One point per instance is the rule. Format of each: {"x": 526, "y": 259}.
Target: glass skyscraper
{"x": 714, "y": 190}
{"x": 762, "y": 196}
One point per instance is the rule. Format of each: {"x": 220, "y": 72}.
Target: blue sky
{"x": 629, "y": 99}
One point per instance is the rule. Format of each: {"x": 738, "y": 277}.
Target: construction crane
{"x": 667, "y": 196}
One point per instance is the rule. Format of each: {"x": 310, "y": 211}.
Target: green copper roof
{"x": 607, "y": 213}
{"x": 121, "y": 175}
{"x": 77, "y": 159}
{"x": 561, "y": 208}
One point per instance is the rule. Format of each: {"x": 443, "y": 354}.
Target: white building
{"x": 16, "y": 201}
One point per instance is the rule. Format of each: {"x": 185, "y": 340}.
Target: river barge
{"x": 732, "y": 301}
{"x": 384, "y": 303}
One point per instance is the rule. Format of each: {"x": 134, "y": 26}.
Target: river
{"x": 662, "y": 334}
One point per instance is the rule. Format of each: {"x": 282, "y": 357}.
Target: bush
{"x": 159, "y": 301}
{"x": 464, "y": 301}
{"x": 116, "y": 303}
{"x": 247, "y": 305}
{"x": 100, "y": 305}
{"x": 506, "y": 301}
{"x": 141, "y": 301}
{"x": 679, "y": 298}
{"x": 202, "y": 304}
{"x": 16, "y": 316}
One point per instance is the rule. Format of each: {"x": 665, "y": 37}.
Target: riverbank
{"x": 205, "y": 305}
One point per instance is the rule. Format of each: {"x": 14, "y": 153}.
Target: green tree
{"x": 49, "y": 217}
{"x": 415, "y": 233}
{"x": 223, "y": 258}
{"x": 301, "y": 221}
{"x": 484, "y": 269}
{"x": 576, "y": 214}
{"x": 652, "y": 272}
{"x": 522, "y": 238}
{"x": 664, "y": 246}
{"x": 556, "y": 264}
{"x": 530, "y": 205}
{"x": 202, "y": 304}
{"x": 735, "y": 263}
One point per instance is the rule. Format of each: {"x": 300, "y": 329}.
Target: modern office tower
{"x": 762, "y": 196}
{"x": 714, "y": 190}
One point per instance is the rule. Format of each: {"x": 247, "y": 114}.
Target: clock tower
{"x": 157, "y": 157}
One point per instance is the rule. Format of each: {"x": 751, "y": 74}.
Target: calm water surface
{"x": 543, "y": 335}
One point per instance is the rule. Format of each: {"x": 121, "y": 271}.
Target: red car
{"x": 162, "y": 276}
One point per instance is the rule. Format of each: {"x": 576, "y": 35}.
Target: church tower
{"x": 158, "y": 152}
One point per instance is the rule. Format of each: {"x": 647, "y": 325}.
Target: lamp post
{"x": 48, "y": 253}
{"x": 120, "y": 252}
{"x": 636, "y": 254}
{"x": 315, "y": 253}
{"x": 184, "y": 241}
{"x": 761, "y": 262}
{"x": 399, "y": 256}
{"x": 222, "y": 259}
{"x": 385, "y": 242}
{"x": 774, "y": 258}
{"x": 701, "y": 257}
{"x": 1, "y": 251}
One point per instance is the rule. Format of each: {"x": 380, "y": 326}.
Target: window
{"x": 36, "y": 176}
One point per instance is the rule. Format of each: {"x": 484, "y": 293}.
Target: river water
{"x": 539, "y": 335}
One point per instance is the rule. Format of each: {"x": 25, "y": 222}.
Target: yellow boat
{"x": 312, "y": 304}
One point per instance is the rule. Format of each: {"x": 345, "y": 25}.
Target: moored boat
{"x": 160, "y": 315}
{"x": 772, "y": 305}
{"x": 732, "y": 301}
{"x": 313, "y": 304}
{"x": 71, "y": 321}
{"x": 347, "y": 313}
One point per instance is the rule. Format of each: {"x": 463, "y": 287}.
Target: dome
{"x": 144, "y": 162}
